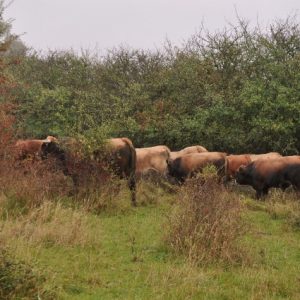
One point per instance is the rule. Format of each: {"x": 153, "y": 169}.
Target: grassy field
{"x": 121, "y": 254}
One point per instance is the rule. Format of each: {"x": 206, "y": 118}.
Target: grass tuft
{"x": 50, "y": 224}
{"x": 206, "y": 223}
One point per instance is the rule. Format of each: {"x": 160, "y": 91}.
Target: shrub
{"x": 18, "y": 281}
{"x": 206, "y": 223}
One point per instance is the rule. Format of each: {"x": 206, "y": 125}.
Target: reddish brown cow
{"x": 233, "y": 162}
{"x": 187, "y": 165}
{"x": 264, "y": 174}
{"x": 31, "y": 148}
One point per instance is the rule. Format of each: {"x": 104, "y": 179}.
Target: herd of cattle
{"x": 261, "y": 171}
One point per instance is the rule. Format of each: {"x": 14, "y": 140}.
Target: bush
{"x": 235, "y": 90}
{"x": 18, "y": 281}
{"x": 206, "y": 223}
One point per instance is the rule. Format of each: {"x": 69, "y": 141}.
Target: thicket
{"x": 236, "y": 90}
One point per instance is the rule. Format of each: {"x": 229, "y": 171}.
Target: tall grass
{"x": 50, "y": 224}
{"x": 206, "y": 223}
{"x": 285, "y": 205}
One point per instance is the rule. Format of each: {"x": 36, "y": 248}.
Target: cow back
{"x": 152, "y": 158}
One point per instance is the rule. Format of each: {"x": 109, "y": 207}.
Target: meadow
{"x": 62, "y": 248}
{"x": 236, "y": 90}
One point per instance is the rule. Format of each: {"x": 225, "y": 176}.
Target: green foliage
{"x": 236, "y": 90}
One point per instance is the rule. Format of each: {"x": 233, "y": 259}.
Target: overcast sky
{"x": 103, "y": 24}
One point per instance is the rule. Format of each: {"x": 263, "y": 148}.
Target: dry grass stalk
{"x": 49, "y": 224}
{"x": 206, "y": 223}
{"x": 285, "y": 205}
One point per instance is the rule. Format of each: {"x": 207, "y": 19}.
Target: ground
{"x": 125, "y": 258}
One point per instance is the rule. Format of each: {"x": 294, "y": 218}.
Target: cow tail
{"x": 226, "y": 176}
{"x": 131, "y": 170}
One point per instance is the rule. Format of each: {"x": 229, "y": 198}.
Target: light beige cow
{"x": 188, "y": 150}
{"x": 152, "y": 159}
{"x": 268, "y": 155}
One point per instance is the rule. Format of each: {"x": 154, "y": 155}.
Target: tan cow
{"x": 121, "y": 155}
{"x": 188, "y": 150}
{"x": 152, "y": 159}
{"x": 269, "y": 155}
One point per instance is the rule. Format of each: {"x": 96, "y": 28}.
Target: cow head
{"x": 51, "y": 138}
{"x": 242, "y": 175}
{"x": 52, "y": 149}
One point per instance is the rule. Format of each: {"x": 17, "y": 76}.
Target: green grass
{"x": 130, "y": 260}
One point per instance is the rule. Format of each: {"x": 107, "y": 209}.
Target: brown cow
{"x": 121, "y": 156}
{"x": 118, "y": 154}
{"x": 31, "y": 148}
{"x": 152, "y": 159}
{"x": 263, "y": 174}
{"x": 269, "y": 155}
{"x": 188, "y": 150}
{"x": 187, "y": 165}
{"x": 233, "y": 162}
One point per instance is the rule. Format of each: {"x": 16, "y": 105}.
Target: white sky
{"x": 103, "y": 24}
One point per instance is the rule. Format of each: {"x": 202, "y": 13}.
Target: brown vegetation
{"x": 49, "y": 224}
{"x": 207, "y": 223}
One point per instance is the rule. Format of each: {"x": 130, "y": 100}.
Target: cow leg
{"x": 296, "y": 187}
{"x": 226, "y": 180}
{"x": 261, "y": 193}
{"x": 75, "y": 179}
{"x": 284, "y": 185}
{"x": 258, "y": 194}
{"x": 132, "y": 187}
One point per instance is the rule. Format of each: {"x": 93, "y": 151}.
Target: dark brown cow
{"x": 233, "y": 162}
{"x": 264, "y": 174}
{"x": 31, "y": 147}
{"x": 152, "y": 159}
{"x": 118, "y": 154}
{"x": 187, "y": 165}
{"x": 188, "y": 150}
